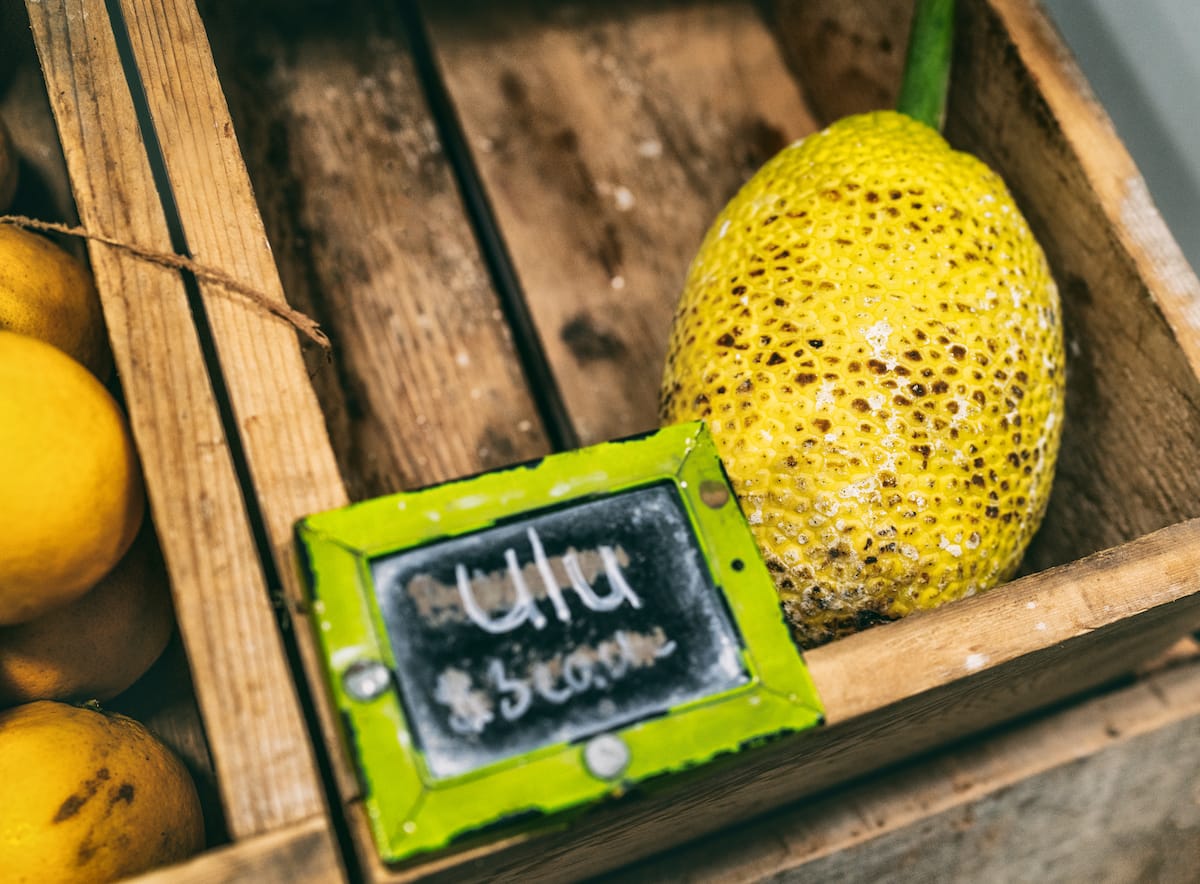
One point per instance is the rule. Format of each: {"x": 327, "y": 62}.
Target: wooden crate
{"x": 489, "y": 209}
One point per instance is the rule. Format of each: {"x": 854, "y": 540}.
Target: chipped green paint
{"x": 411, "y": 809}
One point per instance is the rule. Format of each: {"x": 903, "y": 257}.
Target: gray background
{"x": 1142, "y": 58}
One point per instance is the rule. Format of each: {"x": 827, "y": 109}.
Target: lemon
{"x": 874, "y": 337}
{"x": 71, "y": 496}
{"x": 96, "y": 646}
{"x": 89, "y": 797}
{"x": 46, "y": 293}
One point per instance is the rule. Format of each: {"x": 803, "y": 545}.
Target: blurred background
{"x": 1143, "y": 61}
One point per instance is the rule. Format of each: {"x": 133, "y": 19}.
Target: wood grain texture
{"x": 1101, "y": 791}
{"x": 279, "y": 424}
{"x": 1019, "y": 102}
{"x": 1133, "y": 401}
{"x": 609, "y": 136}
{"x": 298, "y": 854}
{"x": 163, "y": 699}
{"x": 370, "y": 235}
{"x": 256, "y": 734}
{"x": 849, "y": 56}
{"x": 899, "y": 690}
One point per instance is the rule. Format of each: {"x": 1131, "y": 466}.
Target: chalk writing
{"x": 555, "y": 680}
{"x": 553, "y": 626}
{"x": 477, "y": 603}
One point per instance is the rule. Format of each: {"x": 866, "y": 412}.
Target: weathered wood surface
{"x": 1101, "y": 791}
{"x": 1018, "y": 101}
{"x": 256, "y": 733}
{"x": 563, "y": 106}
{"x": 371, "y": 239}
{"x": 164, "y": 698}
{"x": 905, "y": 688}
{"x": 1133, "y": 400}
{"x": 609, "y": 136}
{"x": 297, "y": 854}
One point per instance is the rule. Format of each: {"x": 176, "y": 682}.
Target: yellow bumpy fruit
{"x": 874, "y": 338}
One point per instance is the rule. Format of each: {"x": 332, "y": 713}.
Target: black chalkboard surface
{"x": 554, "y": 626}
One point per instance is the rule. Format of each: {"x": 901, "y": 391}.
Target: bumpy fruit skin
{"x": 89, "y": 797}
{"x": 874, "y": 338}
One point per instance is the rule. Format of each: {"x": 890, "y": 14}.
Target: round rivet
{"x": 606, "y": 756}
{"x": 714, "y": 494}
{"x": 365, "y": 680}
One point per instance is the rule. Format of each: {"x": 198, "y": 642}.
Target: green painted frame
{"x": 409, "y": 811}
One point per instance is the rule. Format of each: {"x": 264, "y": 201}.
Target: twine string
{"x": 304, "y": 324}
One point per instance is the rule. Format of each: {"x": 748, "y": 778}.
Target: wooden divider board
{"x": 1019, "y": 101}
{"x": 259, "y": 744}
{"x": 902, "y": 689}
{"x": 1076, "y": 648}
{"x": 609, "y": 136}
{"x": 370, "y": 236}
{"x": 1101, "y": 791}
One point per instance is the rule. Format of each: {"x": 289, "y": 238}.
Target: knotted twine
{"x": 299, "y": 321}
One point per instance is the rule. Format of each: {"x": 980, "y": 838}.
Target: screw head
{"x": 606, "y": 756}
{"x": 365, "y": 680}
{"x": 714, "y": 494}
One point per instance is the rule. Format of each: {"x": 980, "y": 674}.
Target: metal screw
{"x": 364, "y": 680}
{"x": 606, "y": 756}
{"x": 714, "y": 494}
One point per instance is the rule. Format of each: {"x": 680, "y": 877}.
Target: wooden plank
{"x": 1100, "y": 791}
{"x": 1019, "y": 102}
{"x": 370, "y": 236}
{"x": 1133, "y": 401}
{"x": 298, "y": 854}
{"x": 163, "y": 699}
{"x": 609, "y": 136}
{"x": 899, "y": 690}
{"x": 280, "y": 427}
{"x": 255, "y": 730}
{"x": 1118, "y": 186}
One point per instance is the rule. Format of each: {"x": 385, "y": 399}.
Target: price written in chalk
{"x": 559, "y": 625}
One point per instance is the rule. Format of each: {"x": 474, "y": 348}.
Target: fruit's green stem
{"x": 927, "y": 67}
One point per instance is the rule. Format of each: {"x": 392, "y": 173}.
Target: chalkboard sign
{"x": 554, "y": 626}
{"x": 517, "y": 644}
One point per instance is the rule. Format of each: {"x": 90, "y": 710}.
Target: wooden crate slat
{"x": 1103, "y": 790}
{"x": 1133, "y": 399}
{"x": 371, "y": 238}
{"x": 609, "y": 136}
{"x": 291, "y": 462}
{"x": 300, "y": 853}
{"x": 1120, "y": 189}
{"x": 255, "y": 730}
{"x": 899, "y": 690}
{"x": 282, "y": 433}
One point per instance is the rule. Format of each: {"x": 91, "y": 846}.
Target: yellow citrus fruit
{"x": 46, "y": 293}
{"x": 874, "y": 338}
{"x": 96, "y": 646}
{"x": 90, "y": 797}
{"x": 71, "y": 496}
{"x": 8, "y": 167}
